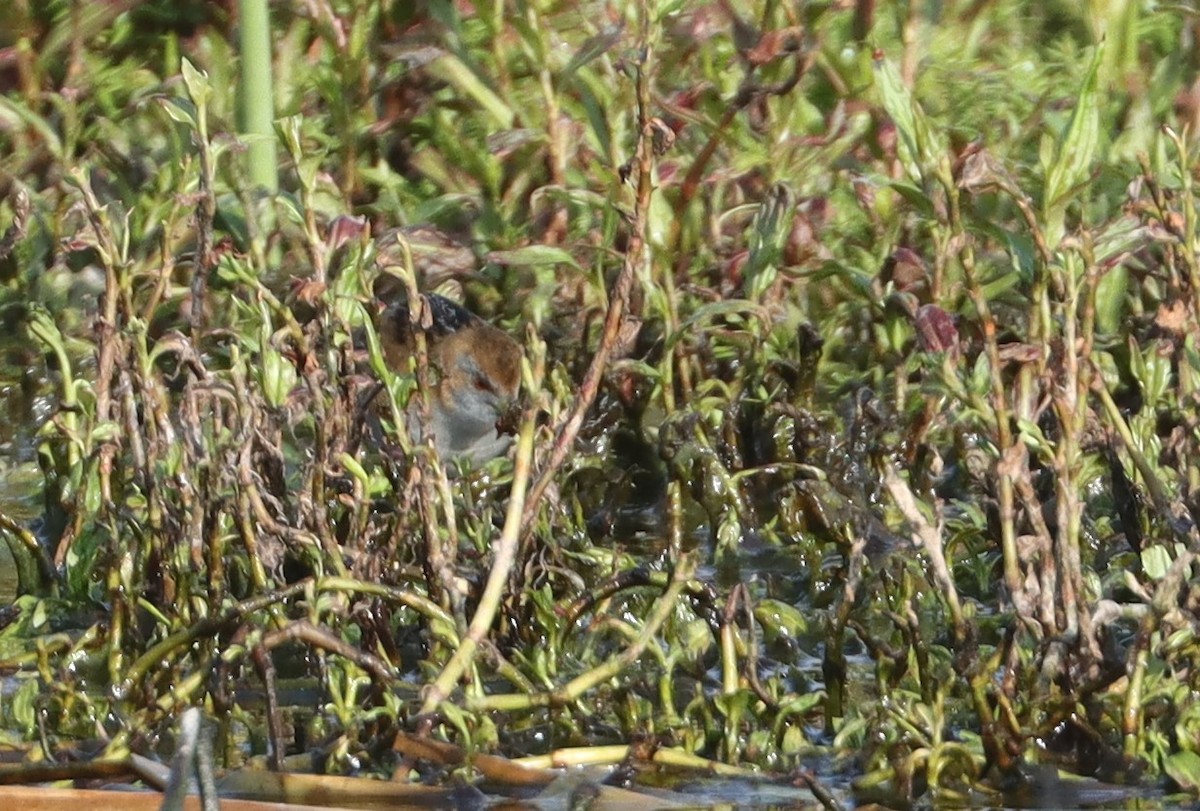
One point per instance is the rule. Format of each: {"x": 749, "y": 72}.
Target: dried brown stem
{"x": 321, "y": 638}
{"x": 928, "y": 538}
{"x": 618, "y": 303}
{"x": 266, "y": 669}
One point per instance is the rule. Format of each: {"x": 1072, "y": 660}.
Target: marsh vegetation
{"x": 858, "y": 426}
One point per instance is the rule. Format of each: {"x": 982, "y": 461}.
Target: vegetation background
{"x": 861, "y": 389}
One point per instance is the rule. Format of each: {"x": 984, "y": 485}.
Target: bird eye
{"x": 483, "y": 384}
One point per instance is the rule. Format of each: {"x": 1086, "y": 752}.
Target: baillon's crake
{"x": 476, "y": 372}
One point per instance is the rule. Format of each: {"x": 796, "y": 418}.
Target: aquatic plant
{"x": 859, "y": 389}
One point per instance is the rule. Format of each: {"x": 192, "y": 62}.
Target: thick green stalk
{"x": 257, "y": 100}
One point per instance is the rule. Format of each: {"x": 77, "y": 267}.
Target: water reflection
{"x": 20, "y": 478}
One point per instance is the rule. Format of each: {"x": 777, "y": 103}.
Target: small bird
{"x": 476, "y": 372}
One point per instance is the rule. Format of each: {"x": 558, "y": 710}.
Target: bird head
{"x": 477, "y": 371}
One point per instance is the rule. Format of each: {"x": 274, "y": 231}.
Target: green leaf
{"x": 307, "y": 170}
{"x": 288, "y": 128}
{"x": 768, "y": 232}
{"x": 533, "y": 255}
{"x": 107, "y": 431}
{"x": 725, "y": 307}
{"x": 1031, "y": 434}
{"x": 1179, "y": 641}
{"x": 45, "y": 130}
{"x": 197, "y": 83}
{"x": 1156, "y": 560}
{"x": 729, "y": 532}
{"x": 794, "y": 741}
{"x": 1184, "y": 769}
{"x": 292, "y": 207}
{"x": 449, "y": 68}
{"x": 279, "y": 376}
{"x": 180, "y": 110}
{"x": 1072, "y": 156}
{"x": 779, "y": 619}
{"x": 25, "y": 704}
{"x": 594, "y": 47}
{"x": 981, "y": 375}
{"x": 915, "y": 196}
{"x": 1151, "y": 369}
{"x": 919, "y": 148}
{"x": 695, "y": 640}
{"x": 354, "y": 468}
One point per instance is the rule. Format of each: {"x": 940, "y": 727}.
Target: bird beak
{"x": 508, "y": 419}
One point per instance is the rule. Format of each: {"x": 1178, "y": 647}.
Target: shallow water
{"x": 20, "y": 478}
{"x": 23, "y": 406}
